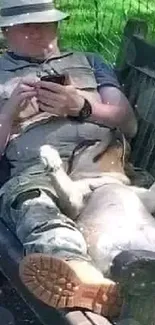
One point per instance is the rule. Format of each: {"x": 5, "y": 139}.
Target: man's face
{"x": 35, "y": 40}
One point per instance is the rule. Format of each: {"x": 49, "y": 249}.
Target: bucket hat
{"x": 15, "y": 12}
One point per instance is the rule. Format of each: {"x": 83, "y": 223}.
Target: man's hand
{"x": 59, "y": 100}
{"x": 20, "y": 96}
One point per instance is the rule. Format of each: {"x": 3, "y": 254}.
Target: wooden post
{"x": 133, "y": 27}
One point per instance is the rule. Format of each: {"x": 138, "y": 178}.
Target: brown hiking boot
{"x": 71, "y": 284}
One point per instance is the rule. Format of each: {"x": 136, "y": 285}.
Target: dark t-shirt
{"x": 104, "y": 73}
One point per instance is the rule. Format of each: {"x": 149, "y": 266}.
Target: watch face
{"x": 86, "y": 111}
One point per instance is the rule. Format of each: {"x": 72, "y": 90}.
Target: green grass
{"x": 97, "y": 25}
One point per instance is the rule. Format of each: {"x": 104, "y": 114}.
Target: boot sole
{"x": 55, "y": 283}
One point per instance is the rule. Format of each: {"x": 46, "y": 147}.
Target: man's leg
{"x": 135, "y": 271}
{"x": 85, "y": 317}
{"x": 56, "y": 268}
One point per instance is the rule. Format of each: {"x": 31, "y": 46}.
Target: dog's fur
{"x": 74, "y": 190}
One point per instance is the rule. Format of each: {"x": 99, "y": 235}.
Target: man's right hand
{"x": 19, "y": 97}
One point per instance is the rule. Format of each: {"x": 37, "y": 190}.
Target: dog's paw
{"x": 50, "y": 158}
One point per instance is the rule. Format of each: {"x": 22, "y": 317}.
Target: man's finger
{"x": 27, "y": 95}
{"x": 51, "y": 86}
{"x": 54, "y": 111}
{"x": 29, "y": 80}
{"x": 51, "y": 103}
{"x": 47, "y": 108}
{"x": 45, "y": 101}
{"x": 50, "y": 95}
{"x": 26, "y": 88}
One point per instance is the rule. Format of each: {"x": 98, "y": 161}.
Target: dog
{"x": 87, "y": 172}
{"x": 114, "y": 217}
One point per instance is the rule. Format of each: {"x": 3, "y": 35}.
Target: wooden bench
{"x": 136, "y": 70}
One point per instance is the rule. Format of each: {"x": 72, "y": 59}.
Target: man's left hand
{"x": 59, "y": 100}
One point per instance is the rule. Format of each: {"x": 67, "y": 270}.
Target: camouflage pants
{"x": 41, "y": 227}
{"x": 33, "y": 215}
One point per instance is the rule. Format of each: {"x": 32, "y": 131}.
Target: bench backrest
{"x": 137, "y": 75}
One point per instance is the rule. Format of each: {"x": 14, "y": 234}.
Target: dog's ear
{"x": 87, "y": 151}
{"x": 111, "y": 159}
{"x": 116, "y": 157}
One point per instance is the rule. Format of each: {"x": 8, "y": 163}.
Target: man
{"x": 33, "y": 113}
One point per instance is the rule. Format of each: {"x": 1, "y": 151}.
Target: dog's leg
{"x": 147, "y": 196}
{"x": 70, "y": 194}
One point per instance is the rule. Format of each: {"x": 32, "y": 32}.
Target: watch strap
{"x": 84, "y": 113}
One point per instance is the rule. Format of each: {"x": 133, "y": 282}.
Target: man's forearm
{"x": 5, "y": 130}
{"x": 115, "y": 116}
{"x": 113, "y": 109}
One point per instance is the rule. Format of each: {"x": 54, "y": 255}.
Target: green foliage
{"x": 97, "y": 25}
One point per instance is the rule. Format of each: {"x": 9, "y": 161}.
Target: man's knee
{"x": 34, "y": 211}
{"x": 41, "y": 227}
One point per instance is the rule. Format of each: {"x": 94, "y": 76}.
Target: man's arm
{"x": 5, "y": 127}
{"x": 10, "y": 108}
{"x": 115, "y": 110}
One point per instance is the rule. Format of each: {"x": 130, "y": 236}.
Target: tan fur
{"x": 74, "y": 194}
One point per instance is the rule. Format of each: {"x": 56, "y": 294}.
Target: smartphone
{"x": 58, "y": 79}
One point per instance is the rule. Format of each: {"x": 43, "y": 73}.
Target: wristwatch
{"x": 84, "y": 113}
